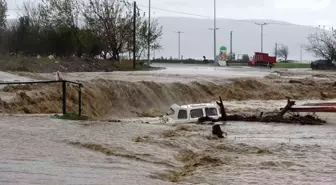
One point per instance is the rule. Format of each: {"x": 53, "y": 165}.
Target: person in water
{"x": 204, "y": 59}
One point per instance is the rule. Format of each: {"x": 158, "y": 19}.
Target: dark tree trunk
{"x": 222, "y": 109}
{"x": 289, "y": 105}
{"x": 114, "y": 54}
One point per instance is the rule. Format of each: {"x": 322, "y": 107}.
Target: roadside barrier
{"x": 64, "y": 94}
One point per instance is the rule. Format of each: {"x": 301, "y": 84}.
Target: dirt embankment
{"x": 103, "y": 98}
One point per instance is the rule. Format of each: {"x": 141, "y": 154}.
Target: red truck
{"x": 262, "y": 59}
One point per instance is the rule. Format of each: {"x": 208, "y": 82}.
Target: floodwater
{"x": 36, "y": 150}
{"x": 44, "y": 150}
{"x": 172, "y": 73}
{"x": 7, "y": 77}
{"x": 185, "y": 73}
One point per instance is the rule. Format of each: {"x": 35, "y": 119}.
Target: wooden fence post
{"x": 80, "y": 100}
{"x": 64, "y": 97}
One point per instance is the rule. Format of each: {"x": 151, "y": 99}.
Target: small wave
{"x": 280, "y": 164}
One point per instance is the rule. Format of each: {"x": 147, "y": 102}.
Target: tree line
{"x": 89, "y": 28}
{"x": 323, "y": 44}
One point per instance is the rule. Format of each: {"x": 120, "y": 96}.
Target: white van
{"x": 192, "y": 112}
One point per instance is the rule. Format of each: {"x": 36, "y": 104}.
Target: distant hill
{"x": 197, "y": 39}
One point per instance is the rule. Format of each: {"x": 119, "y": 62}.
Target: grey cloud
{"x": 237, "y": 9}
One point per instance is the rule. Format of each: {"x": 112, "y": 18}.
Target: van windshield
{"x": 170, "y": 112}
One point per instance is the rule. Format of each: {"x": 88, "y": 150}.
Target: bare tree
{"x": 33, "y": 11}
{"x": 3, "y": 24}
{"x": 53, "y": 27}
{"x": 3, "y": 14}
{"x": 111, "y": 21}
{"x": 283, "y": 52}
{"x": 142, "y": 37}
{"x": 323, "y": 44}
{"x": 63, "y": 14}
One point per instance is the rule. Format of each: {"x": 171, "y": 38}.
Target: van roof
{"x": 203, "y": 105}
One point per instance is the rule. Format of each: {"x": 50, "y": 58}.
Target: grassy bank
{"x": 292, "y": 65}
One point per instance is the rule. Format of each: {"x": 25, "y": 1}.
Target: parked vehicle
{"x": 262, "y": 59}
{"x": 192, "y": 112}
{"x": 322, "y": 65}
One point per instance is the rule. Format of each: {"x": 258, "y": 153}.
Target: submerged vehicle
{"x": 190, "y": 113}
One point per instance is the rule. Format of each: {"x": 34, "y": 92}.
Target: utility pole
{"x": 154, "y": 47}
{"x": 262, "y": 33}
{"x": 215, "y": 29}
{"x": 231, "y": 45}
{"x": 179, "y": 44}
{"x": 134, "y": 34}
{"x": 149, "y": 30}
{"x": 301, "y": 53}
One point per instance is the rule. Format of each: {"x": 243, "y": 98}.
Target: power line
{"x": 215, "y": 30}
{"x": 184, "y": 13}
{"x": 203, "y": 16}
{"x": 173, "y": 11}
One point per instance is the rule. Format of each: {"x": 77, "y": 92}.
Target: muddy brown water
{"x": 183, "y": 73}
{"x": 44, "y": 150}
{"x": 37, "y": 150}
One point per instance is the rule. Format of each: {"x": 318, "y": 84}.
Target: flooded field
{"x": 45, "y": 150}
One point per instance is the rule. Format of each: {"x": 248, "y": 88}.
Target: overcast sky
{"x": 304, "y": 12}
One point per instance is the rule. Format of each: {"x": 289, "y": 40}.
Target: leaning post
{"x": 64, "y": 97}
{"x": 80, "y": 100}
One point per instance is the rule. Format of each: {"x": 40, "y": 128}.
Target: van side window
{"x": 196, "y": 113}
{"x": 211, "y": 112}
{"x": 182, "y": 114}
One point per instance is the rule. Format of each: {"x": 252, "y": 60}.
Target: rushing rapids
{"x": 42, "y": 150}
{"x": 103, "y": 97}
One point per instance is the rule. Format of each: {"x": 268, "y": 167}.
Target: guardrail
{"x": 64, "y": 82}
